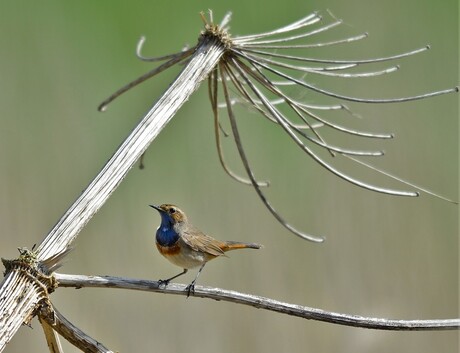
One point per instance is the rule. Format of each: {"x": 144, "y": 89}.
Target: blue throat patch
{"x": 166, "y": 235}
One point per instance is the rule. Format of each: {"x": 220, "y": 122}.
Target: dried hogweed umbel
{"x": 258, "y": 68}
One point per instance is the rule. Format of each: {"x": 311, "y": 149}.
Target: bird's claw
{"x": 163, "y": 282}
{"x": 190, "y": 289}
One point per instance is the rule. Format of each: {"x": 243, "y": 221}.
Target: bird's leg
{"x": 191, "y": 287}
{"x": 166, "y": 281}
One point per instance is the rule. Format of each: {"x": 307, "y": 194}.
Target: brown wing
{"x": 199, "y": 241}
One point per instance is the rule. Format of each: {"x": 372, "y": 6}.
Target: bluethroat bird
{"x": 186, "y": 246}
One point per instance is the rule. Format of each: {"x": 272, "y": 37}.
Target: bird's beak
{"x": 157, "y": 208}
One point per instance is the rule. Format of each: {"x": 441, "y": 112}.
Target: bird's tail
{"x": 233, "y": 245}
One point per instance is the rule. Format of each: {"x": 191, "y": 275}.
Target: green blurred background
{"x": 384, "y": 256}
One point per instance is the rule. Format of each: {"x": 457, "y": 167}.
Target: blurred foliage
{"x": 384, "y": 256}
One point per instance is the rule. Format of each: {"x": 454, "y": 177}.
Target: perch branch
{"x": 80, "y": 281}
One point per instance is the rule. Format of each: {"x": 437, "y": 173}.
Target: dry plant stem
{"x": 212, "y": 90}
{"x": 52, "y": 338}
{"x": 202, "y": 63}
{"x": 20, "y": 294}
{"x": 73, "y": 334}
{"x": 18, "y": 298}
{"x": 80, "y": 281}
{"x": 250, "y": 173}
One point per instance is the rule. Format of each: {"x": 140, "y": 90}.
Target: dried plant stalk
{"x": 205, "y": 56}
{"x": 55, "y": 320}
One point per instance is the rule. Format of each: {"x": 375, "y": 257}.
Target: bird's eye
{"x": 172, "y": 210}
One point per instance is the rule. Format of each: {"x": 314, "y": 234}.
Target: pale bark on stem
{"x": 52, "y": 337}
{"x": 80, "y": 281}
{"x": 18, "y": 298}
{"x": 57, "y": 322}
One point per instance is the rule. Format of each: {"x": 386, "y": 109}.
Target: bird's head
{"x": 170, "y": 214}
